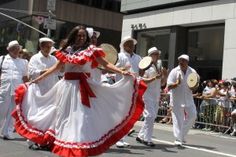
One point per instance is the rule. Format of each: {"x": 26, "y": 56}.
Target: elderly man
{"x": 233, "y": 115}
{"x": 181, "y": 99}
{"x": 40, "y": 62}
{"x": 153, "y": 78}
{"x": 13, "y": 73}
{"x": 127, "y": 60}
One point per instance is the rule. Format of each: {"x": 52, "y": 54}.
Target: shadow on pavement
{"x": 162, "y": 147}
{"x": 122, "y": 151}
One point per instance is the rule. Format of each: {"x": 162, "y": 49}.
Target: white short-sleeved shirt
{"x": 181, "y": 95}
{"x": 130, "y": 62}
{"x": 13, "y": 71}
{"x": 153, "y": 88}
{"x": 37, "y": 63}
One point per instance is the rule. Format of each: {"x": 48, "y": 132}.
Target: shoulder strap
{"x": 3, "y": 57}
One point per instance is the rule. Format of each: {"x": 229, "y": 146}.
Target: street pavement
{"x": 199, "y": 144}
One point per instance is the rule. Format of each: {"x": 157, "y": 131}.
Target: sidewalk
{"x": 169, "y": 128}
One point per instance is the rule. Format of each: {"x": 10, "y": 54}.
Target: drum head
{"x": 145, "y": 63}
{"x": 111, "y": 54}
{"x": 193, "y": 80}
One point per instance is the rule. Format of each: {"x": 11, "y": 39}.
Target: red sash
{"x": 85, "y": 89}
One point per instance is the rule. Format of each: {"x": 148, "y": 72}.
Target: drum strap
{"x": 3, "y": 57}
{"x": 157, "y": 70}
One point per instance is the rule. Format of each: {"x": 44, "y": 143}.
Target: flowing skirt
{"x": 59, "y": 119}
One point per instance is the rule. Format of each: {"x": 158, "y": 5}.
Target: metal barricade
{"x": 211, "y": 115}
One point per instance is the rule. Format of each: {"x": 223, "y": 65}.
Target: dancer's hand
{"x": 35, "y": 81}
{"x": 178, "y": 80}
{"x": 128, "y": 73}
{"x": 158, "y": 76}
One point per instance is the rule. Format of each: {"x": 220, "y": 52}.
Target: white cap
{"x": 127, "y": 38}
{"x": 184, "y": 56}
{"x": 153, "y": 50}
{"x": 45, "y": 39}
{"x": 91, "y": 32}
{"x": 13, "y": 43}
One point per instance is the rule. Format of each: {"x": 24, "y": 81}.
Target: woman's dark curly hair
{"x": 72, "y": 36}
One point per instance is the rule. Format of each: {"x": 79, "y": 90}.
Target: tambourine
{"x": 193, "y": 81}
{"x": 145, "y": 63}
{"x": 111, "y": 54}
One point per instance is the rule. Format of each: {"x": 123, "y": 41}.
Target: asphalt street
{"x": 199, "y": 143}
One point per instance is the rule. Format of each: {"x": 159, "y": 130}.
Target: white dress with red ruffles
{"x": 79, "y": 116}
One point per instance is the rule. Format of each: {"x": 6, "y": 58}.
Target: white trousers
{"x": 183, "y": 119}
{"x": 6, "y": 118}
{"x": 150, "y": 113}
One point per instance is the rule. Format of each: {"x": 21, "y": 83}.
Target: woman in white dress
{"x": 79, "y": 116}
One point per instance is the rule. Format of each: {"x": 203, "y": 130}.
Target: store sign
{"x": 51, "y": 5}
{"x": 49, "y": 24}
{"x": 138, "y": 26}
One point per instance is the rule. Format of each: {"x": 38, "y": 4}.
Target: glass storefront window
{"x": 158, "y": 38}
{"x": 205, "y": 48}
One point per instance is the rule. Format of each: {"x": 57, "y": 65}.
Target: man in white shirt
{"x": 233, "y": 113}
{"x": 40, "y": 62}
{"x": 153, "y": 78}
{"x": 13, "y": 72}
{"x": 181, "y": 99}
{"x": 127, "y": 60}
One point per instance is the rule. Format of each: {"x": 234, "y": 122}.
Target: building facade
{"x": 203, "y": 29}
{"x": 103, "y": 15}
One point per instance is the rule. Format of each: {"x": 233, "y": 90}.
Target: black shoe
{"x": 139, "y": 140}
{"x": 34, "y": 147}
{"x": 38, "y": 147}
{"x": 131, "y": 132}
{"x": 149, "y": 144}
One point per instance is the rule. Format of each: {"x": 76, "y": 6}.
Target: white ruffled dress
{"x": 79, "y": 116}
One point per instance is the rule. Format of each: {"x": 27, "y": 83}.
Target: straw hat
{"x": 45, "y": 39}
{"x": 153, "y": 50}
{"x": 125, "y": 39}
{"x": 184, "y": 56}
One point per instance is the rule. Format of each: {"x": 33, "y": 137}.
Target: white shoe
{"x": 126, "y": 144}
{"x": 178, "y": 143}
{"x": 233, "y": 133}
{"x": 120, "y": 144}
{"x": 8, "y": 137}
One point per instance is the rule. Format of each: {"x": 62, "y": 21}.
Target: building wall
{"x": 194, "y": 15}
{"x": 128, "y": 5}
{"x": 15, "y": 4}
{"x": 77, "y": 13}
{"x": 68, "y": 15}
